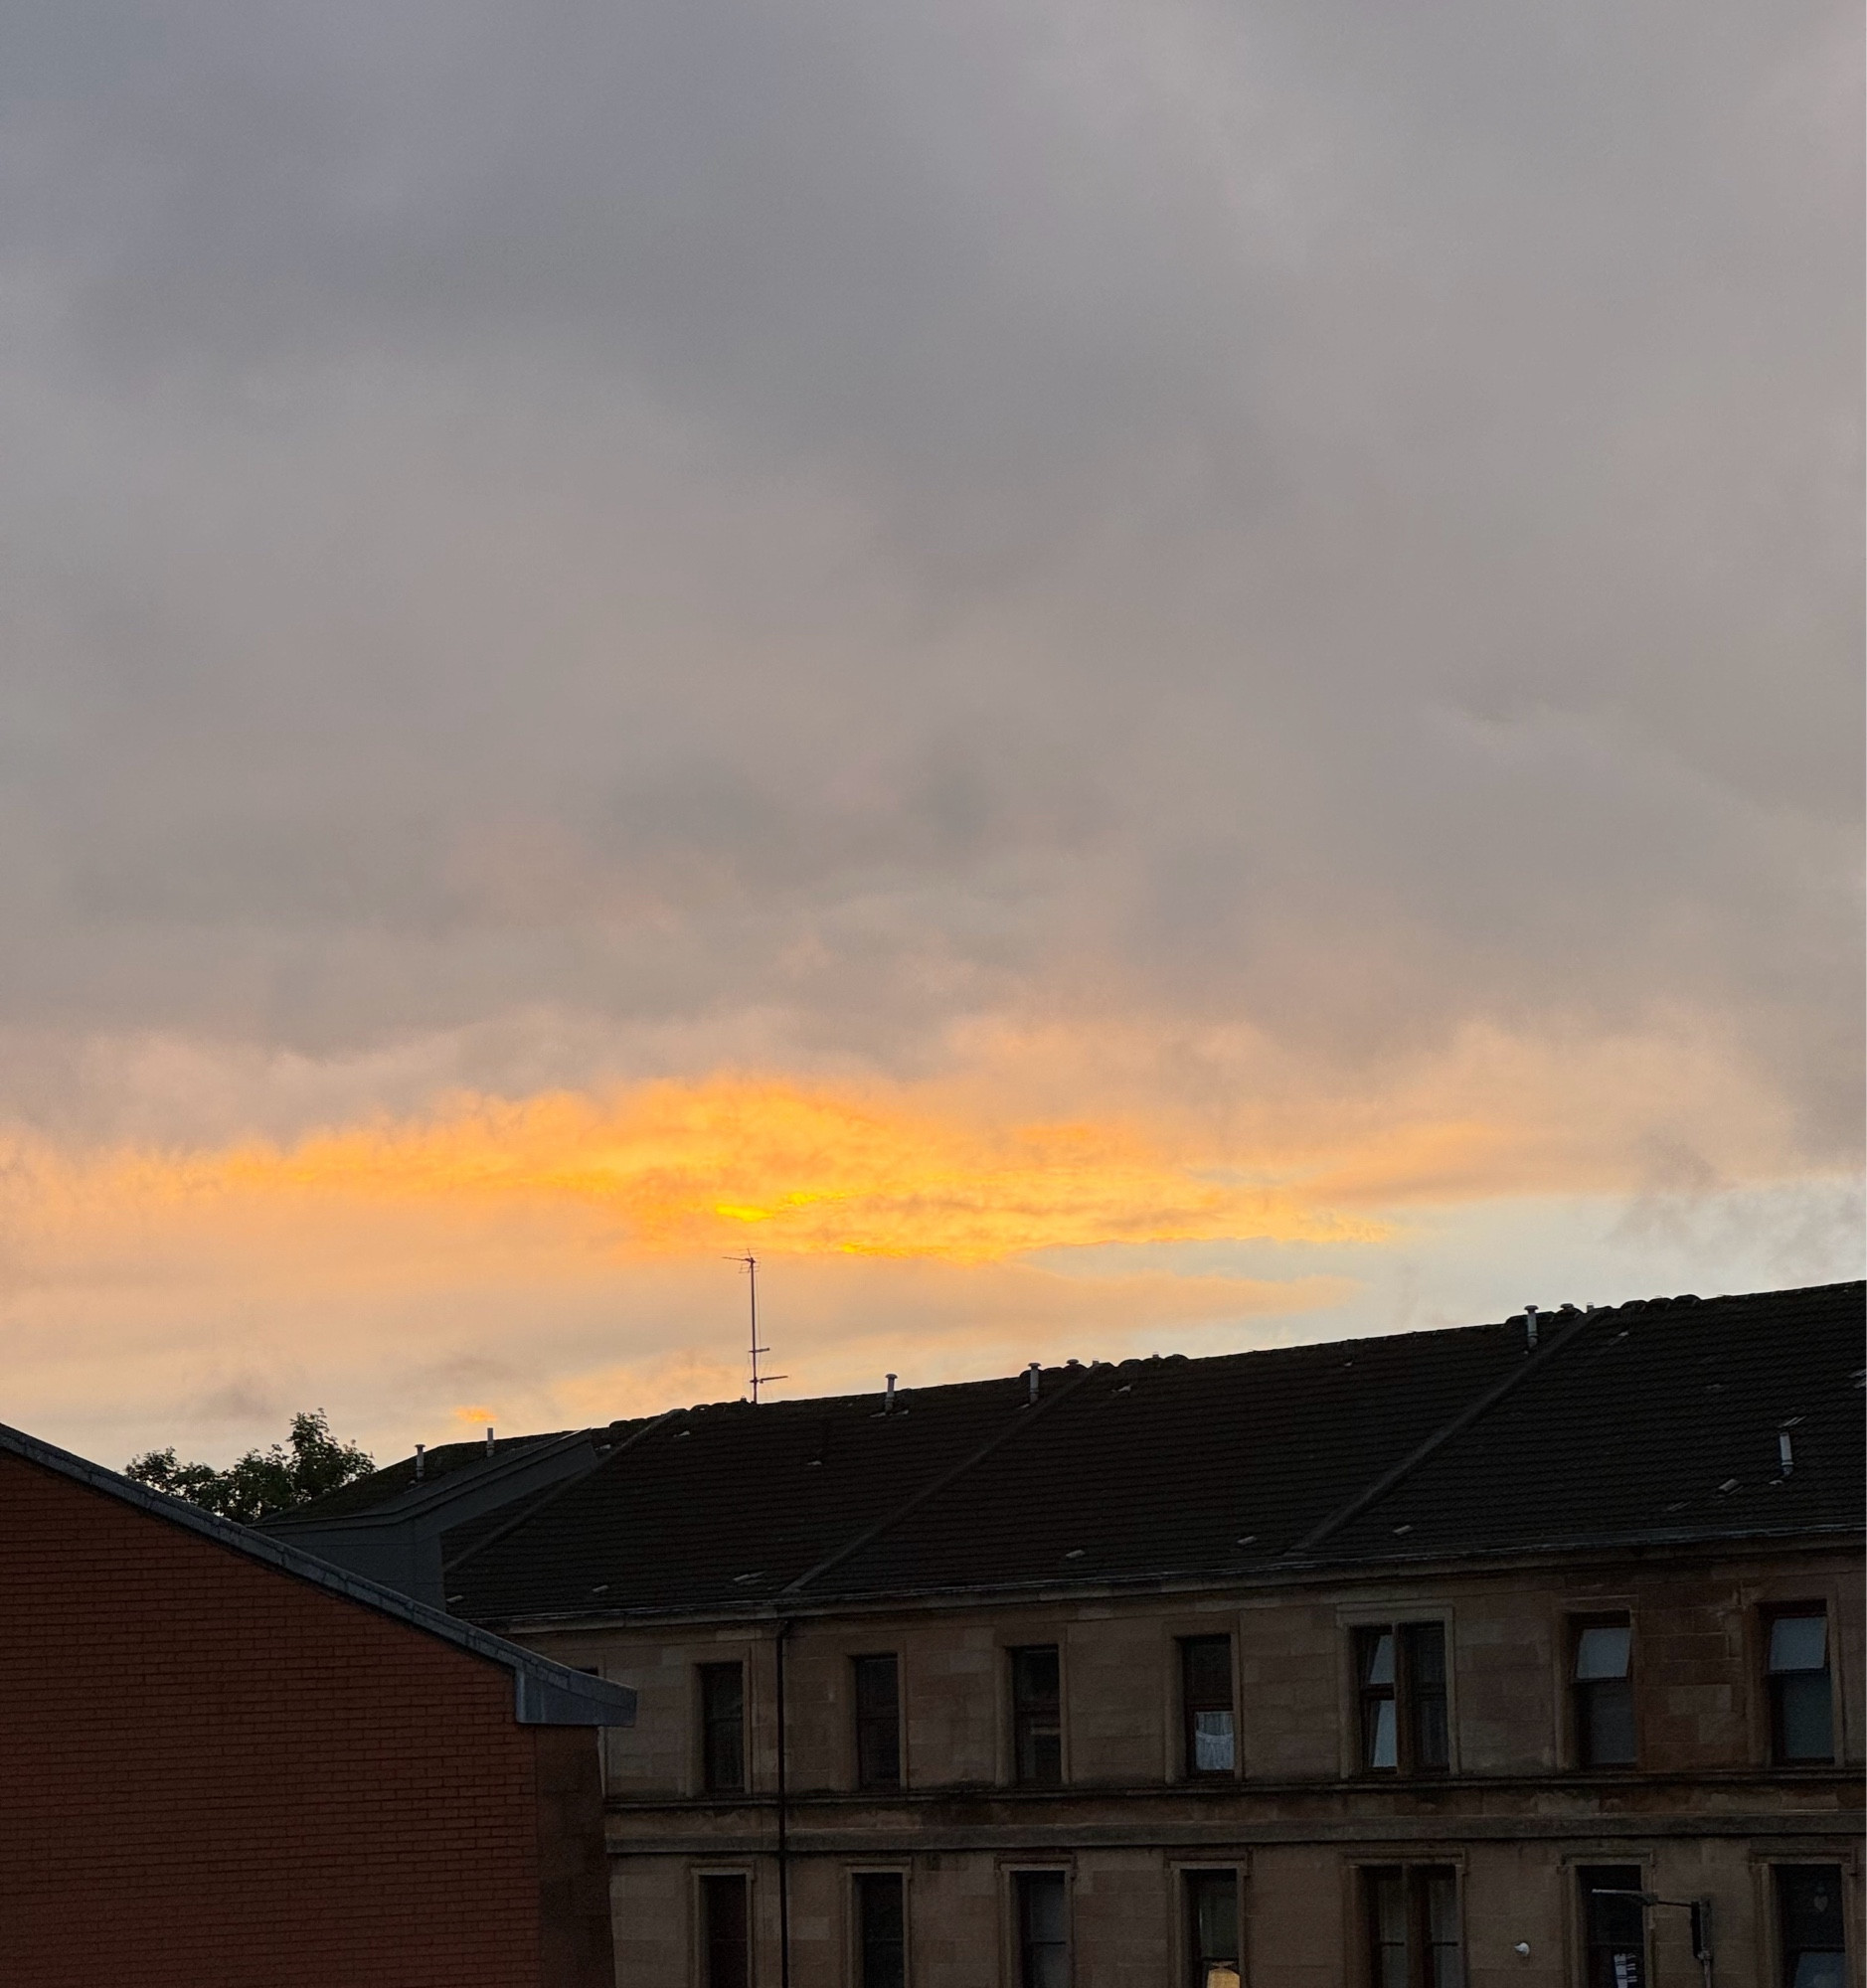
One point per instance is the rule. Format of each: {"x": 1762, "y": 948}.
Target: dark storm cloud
{"x": 1332, "y": 515}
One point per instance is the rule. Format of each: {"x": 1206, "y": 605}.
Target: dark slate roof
{"x": 1660, "y": 1423}
{"x": 444, "y": 1460}
{"x": 1618, "y": 1429}
{"x": 545, "y": 1693}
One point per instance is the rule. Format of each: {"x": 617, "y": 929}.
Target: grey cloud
{"x": 884, "y": 515}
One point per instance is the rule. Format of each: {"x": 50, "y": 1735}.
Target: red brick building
{"x": 227, "y": 1764}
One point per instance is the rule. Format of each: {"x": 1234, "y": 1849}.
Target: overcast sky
{"x": 1104, "y": 676}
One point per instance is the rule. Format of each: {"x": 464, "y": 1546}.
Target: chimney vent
{"x": 1031, "y": 1374}
{"x": 1529, "y": 1326}
{"x": 420, "y": 1460}
{"x": 1786, "y": 1452}
{"x": 489, "y": 1439}
{"x": 888, "y": 1401}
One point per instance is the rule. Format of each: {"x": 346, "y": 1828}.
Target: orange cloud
{"x": 730, "y": 1162}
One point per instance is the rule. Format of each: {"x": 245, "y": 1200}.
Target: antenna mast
{"x": 752, "y": 1288}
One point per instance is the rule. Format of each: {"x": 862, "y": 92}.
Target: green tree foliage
{"x": 263, "y": 1481}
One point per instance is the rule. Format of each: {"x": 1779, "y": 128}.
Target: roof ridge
{"x": 1022, "y": 1419}
{"x": 1373, "y": 1493}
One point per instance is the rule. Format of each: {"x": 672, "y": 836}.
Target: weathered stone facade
{"x": 1703, "y": 1815}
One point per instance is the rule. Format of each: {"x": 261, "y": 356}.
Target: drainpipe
{"x": 783, "y": 1819}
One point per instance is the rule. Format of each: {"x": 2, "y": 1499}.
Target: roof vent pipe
{"x": 420, "y": 1460}
{"x": 888, "y": 1400}
{"x": 1031, "y": 1374}
{"x": 1786, "y": 1452}
{"x": 1529, "y": 1326}
{"x": 489, "y": 1439}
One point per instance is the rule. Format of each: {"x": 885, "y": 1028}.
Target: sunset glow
{"x": 1105, "y": 679}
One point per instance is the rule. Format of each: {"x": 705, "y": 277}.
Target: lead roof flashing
{"x": 1373, "y": 1493}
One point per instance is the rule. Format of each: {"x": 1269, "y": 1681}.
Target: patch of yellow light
{"x": 680, "y": 1168}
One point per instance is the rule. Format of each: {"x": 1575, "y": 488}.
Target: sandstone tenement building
{"x": 1528, "y": 1653}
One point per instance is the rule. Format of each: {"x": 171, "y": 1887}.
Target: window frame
{"x": 1184, "y": 1877}
{"x": 1015, "y": 1876}
{"x": 1580, "y": 1695}
{"x": 1017, "y": 1715}
{"x": 1579, "y": 1915}
{"x": 1415, "y": 1873}
{"x": 1403, "y": 1692}
{"x": 1779, "y": 1932}
{"x": 705, "y": 1875}
{"x": 855, "y": 1878}
{"x": 1768, "y": 1615}
{"x": 865, "y": 1783}
{"x": 1833, "y": 1854}
{"x": 1185, "y": 1767}
{"x": 705, "y": 1720}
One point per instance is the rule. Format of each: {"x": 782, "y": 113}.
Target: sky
{"x": 1104, "y": 678}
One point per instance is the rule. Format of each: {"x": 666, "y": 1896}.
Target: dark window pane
{"x": 1413, "y": 1926}
{"x": 878, "y": 1722}
{"x": 1805, "y": 1716}
{"x": 1208, "y": 1663}
{"x": 1388, "y": 1929}
{"x": 1802, "y": 1705}
{"x": 1607, "y": 1724}
{"x": 1603, "y": 1694}
{"x": 725, "y": 1946}
{"x": 1043, "y": 1930}
{"x": 722, "y": 1728}
{"x": 1811, "y": 1924}
{"x": 1426, "y": 1688}
{"x": 1614, "y": 1928}
{"x": 1037, "y": 1716}
{"x": 1445, "y": 1956}
{"x": 1212, "y": 1922}
{"x": 881, "y": 1929}
{"x": 1206, "y": 1687}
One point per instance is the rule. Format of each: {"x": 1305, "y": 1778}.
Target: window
{"x": 1206, "y": 1697}
{"x": 725, "y": 1934}
{"x": 1037, "y": 1716}
{"x": 1042, "y": 1928}
{"x": 1603, "y": 1693}
{"x": 722, "y": 1728}
{"x": 878, "y": 1722}
{"x": 1614, "y": 1929}
{"x": 1402, "y": 1673}
{"x": 881, "y": 1929}
{"x": 1811, "y": 1922}
{"x": 1802, "y": 1697}
{"x": 1413, "y": 1926}
{"x": 1211, "y": 1929}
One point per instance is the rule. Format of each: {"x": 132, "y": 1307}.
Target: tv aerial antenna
{"x": 752, "y": 1291}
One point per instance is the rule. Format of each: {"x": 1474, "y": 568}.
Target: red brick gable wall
{"x": 214, "y": 1774}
